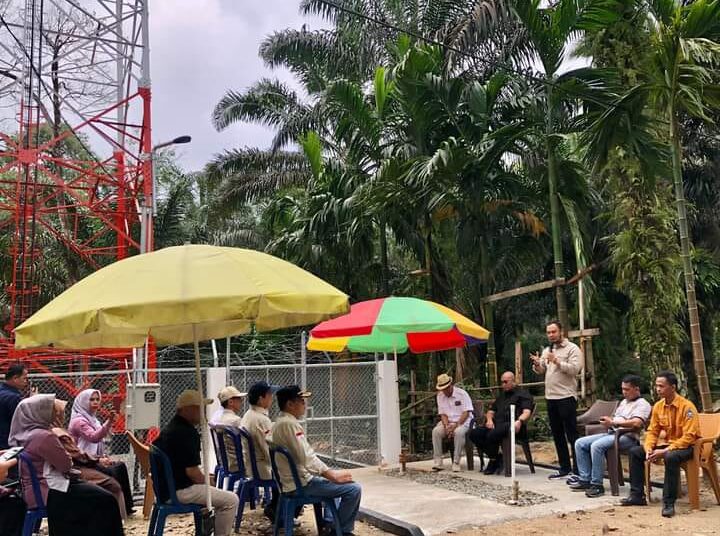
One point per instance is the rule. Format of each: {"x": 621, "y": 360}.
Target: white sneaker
{"x": 456, "y": 468}
{"x": 438, "y": 464}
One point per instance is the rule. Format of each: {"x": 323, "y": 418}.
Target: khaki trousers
{"x": 225, "y": 504}
{"x": 438, "y": 434}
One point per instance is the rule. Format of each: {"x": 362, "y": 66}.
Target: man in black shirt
{"x": 180, "y": 441}
{"x": 11, "y": 393}
{"x": 498, "y": 421}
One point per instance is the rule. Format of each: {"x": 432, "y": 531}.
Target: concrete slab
{"x": 435, "y": 510}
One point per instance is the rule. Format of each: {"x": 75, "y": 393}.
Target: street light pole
{"x": 149, "y": 206}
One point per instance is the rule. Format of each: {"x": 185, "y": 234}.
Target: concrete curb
{"x": 389, "y": 524}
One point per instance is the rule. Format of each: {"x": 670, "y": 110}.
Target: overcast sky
{"x": 200, "y": 49}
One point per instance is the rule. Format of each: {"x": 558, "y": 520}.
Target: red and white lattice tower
{"x": 76, "y": 73}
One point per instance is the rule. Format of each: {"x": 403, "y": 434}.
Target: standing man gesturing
{"x": 560, "y": 362}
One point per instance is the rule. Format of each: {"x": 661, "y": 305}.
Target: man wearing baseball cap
{"x": 231, "y": 401}
{"x": 258, "y": 424}
{"x": 180, "y": 441}
{"x": 316, "y": 478}
{"x": 454, "y": 408}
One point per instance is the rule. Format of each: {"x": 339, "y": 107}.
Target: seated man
{"x": 258, "y": 424}
{"x": 678, "y": 418}
{"x": 632, "y": 414}
{"x": 180, "y": 441}
{"x": 315, "y": 477}
{"x": 498, "y": 421}
{"x": 454, "y": 408}
{"x": 231, "y": 401}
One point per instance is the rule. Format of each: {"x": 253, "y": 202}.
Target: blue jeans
{"x": 590, "y": 454}
{"x": 347, "y": 499}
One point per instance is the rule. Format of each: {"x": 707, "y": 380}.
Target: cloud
{"x": 200, "y": 49}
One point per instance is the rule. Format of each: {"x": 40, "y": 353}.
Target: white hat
{"x": 226, "y": 393}
{"x": 191, "y": 397}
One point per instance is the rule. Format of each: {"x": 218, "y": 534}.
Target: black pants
{"x": 562, "y": 414}
{"x": 119, "y": 472}
{"x": 673, "y": 459}
{"x": 12, "y": 515}
{"x": 489, "y": 441}
{"x": 84, "y": 510}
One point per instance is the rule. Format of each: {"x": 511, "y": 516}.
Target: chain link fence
{"x": 341, "y": 421}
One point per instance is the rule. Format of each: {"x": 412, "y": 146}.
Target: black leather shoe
{"x": 491, "y": 467}
{"x": 668, "y": 510}
{"x": 633, "y": 501}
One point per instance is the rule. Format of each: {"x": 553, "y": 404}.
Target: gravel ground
{"x": 491, "y": 492}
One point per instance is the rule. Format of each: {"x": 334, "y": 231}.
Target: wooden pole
{"x": 518, "y": 362}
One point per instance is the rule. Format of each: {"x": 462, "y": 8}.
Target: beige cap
{"x": 443, "y": 381}
{"x": 191, "y": 397}
{"x": 226, "y": 393}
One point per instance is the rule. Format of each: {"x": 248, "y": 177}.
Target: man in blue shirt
{"x": 11, "y": 393}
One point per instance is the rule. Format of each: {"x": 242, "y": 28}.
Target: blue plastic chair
{"x": 34, "y": 516}
{"x": 160, "y": 471}
{"x": 289, "y": 501}
{"x": 220, "y": 469}
{"x": 257, "y": 481}
{"x": 247, "y": 490}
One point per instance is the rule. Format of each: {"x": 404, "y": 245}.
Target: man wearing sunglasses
{"x": 498, "y": 421}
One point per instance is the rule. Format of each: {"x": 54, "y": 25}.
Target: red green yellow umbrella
{"x": 396, "y": 324}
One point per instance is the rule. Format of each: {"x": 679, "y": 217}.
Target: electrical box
{"x": 145, "y": 405}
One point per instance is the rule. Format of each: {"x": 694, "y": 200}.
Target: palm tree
{"x": 685, "y": 44}
{"x": 549, "y": 31}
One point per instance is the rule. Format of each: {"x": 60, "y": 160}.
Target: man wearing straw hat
{"x": 454, "y": 408}
{"x": 180, "y": 441}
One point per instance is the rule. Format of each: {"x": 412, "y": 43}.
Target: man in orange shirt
{"x": 678, "y": 418}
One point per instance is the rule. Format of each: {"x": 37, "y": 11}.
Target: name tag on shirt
{"x": 458, "y": 403}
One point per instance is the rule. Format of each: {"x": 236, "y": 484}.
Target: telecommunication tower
{"x": 75, "y": 149}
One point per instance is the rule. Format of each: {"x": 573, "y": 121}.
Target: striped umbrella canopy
{"x": 396, "y": 324}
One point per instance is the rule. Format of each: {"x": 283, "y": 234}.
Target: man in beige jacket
{"x": 258, "y": 424}
{"x": 561, "y": 362}
{"x": 316, "y": 478}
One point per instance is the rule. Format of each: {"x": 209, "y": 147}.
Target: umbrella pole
{"x": 203, "y": 419}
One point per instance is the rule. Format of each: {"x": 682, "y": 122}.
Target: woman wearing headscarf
{"x": 74, "y": 508}
{"x": 88, "y": 432}
{"x": 86, "y": 463}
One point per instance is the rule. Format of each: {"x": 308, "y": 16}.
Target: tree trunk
{"x": 688, "y": 272}
{"x": 562, "y": 312}
{"x": 384, "y": 276}
{"x": 487, "y": 313}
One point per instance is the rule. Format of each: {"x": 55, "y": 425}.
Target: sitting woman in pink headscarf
{"x": 89, "y": 466}
{"x": 88, "y": 432}
{"x": 74, "y": 507}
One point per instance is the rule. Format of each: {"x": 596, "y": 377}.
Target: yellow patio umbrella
{"x": 179, "y": 295}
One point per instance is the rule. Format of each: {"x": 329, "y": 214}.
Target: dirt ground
{"x": 615, "y": 520}
{"x": 253, "y": 524}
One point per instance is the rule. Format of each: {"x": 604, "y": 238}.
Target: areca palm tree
{"x": 549, "y": 31}
{"x": 685, "y": 46}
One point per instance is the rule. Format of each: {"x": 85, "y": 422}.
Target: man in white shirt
{"x": 231, "y": 401}
{"x": 455, "y": 409}
{"x": 632, "y": 414}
